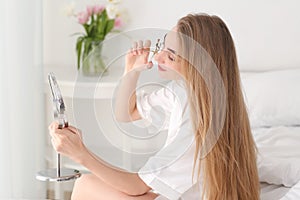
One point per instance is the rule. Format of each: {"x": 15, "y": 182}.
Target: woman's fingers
{"x": 67, "y": 141}
{"x": 56, "y": 138}
{"x": 147, "y": 45}
{"x": 140, "y": 47}
{"x": 150, "y": 65}
{"x": 134, "y": 48}
{"x": 65, "y": 131}
{"x": 56, "y": 133}
{"x": 147, "y": 48}
{"x": 54, "y": 130}
{"x": 137, "y": 57}
{"x": 53, "y": 125}
{"x": 75, "y": 131}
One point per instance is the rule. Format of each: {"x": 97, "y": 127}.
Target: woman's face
{"x": 168, "y": 60}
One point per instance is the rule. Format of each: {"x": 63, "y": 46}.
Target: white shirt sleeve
{"x": 155, "y": 107}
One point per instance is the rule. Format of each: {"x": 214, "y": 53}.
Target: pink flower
{"x": 118, "y": 22}
{"x": 98, "y": 9}
{"x": 83, "y": 17}
{"x": 89, "y": 10}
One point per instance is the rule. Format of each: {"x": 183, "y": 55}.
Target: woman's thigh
{"x": 90, "y": 187}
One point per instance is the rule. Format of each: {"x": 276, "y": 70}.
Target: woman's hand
{"x": 67, "y": 141}
{"x": 137, "y": 57}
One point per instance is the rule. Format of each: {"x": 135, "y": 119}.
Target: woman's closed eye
{"x": 171, "y": 54}
{"x": 171, "y": 57}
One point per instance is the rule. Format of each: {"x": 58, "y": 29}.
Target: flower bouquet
{"x": 97, "y": 21}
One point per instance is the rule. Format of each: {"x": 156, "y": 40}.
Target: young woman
{"x": 222, "y": 157}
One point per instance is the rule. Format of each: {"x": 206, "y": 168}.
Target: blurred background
{"x": 36, "y": 37}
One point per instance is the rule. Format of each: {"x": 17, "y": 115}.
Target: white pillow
{"x": 273, "y": 97}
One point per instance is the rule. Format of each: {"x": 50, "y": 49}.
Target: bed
{"x": 279, "y": 162}
{"x": 273, "y": 102}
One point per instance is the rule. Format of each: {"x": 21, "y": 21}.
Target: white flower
{"x": 123, "y": 13}
{"x": 114, "y": 1}
{"x": 69, "y": 9}
{"x": 112, "y": 11}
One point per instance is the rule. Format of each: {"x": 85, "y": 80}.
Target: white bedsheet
{"x": 279, "y": 162}
{"x": 277, "y": 192}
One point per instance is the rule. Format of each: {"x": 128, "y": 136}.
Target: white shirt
{"x": 169, "y": 172}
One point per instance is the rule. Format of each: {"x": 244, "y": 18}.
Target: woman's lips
{"x": 160, "y": 68}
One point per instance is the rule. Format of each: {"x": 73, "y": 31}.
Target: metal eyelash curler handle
{"x": 157, "y": 48}
{"x": 59, "y": 108}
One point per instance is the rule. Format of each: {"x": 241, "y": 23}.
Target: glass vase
{"x": 93, "y": 63}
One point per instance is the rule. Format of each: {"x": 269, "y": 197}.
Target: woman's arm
{"x": 125, "y": 102}
{"x": 68, "y": 142}
{"x": 136, "y": 61}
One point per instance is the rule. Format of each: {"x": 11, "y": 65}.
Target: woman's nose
{"x": 159, "y": 57}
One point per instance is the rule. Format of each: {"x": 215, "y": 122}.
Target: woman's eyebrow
{"x": 169, "y": 49}
{"x": 173, "y": 51}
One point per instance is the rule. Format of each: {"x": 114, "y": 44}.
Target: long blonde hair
{"x": 229, "y": 169}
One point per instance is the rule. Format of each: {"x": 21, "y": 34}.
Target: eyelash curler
{"x": 58, "y": 174}
{"x": 157, "y": 48}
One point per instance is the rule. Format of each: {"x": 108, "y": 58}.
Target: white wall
{"x": 266, "y": 33}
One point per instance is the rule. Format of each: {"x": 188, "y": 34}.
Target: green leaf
{"x": 76, "y": 34}
{"x": 78, "y": 50}
{"x": 99, "y": 37}
{"x": 92, "y": 17}
{"x": 110, "y": 25}
{"x": 102, "y": 22}
{"x": 90, "y": 30}
{"x": 86, "y": 28}
{"x": 87, "y": 47}
{"x": 104, "y": 16}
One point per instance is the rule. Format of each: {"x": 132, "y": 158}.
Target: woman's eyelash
{"x": 171, "y": 58}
